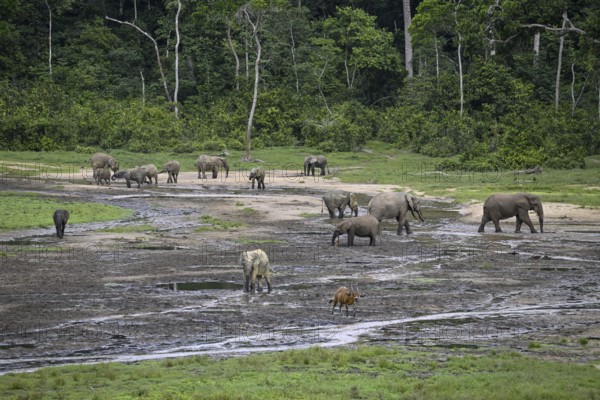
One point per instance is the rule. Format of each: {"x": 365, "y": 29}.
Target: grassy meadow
{"x": 366, "y": 372}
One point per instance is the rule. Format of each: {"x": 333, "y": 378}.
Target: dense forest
{"x": 489, "y": 84}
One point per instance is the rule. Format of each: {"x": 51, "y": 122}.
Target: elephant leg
{"x": 407, "y": 227}
{"x": 519, "y": 223}
{"x": 259, "y": 286}
{"x": 350, "y": 238}
{"x": 524, "y": 216}
{"x": 253, "y": 280}
{"x": 372, "y": 239}
{"x": 496, "y": 222}
{"x": 268, "y": 278}
{"x": 215, "y": 172}
{"x": 484, "y": 220}
{"x": 128, "y": 181}
{"x": 331, "y": 212}
{"x": 340, "y": 212}
{"x": 252, "y": 183}
{"x": 175, "y": 177}
{"x": 401, "y": 224}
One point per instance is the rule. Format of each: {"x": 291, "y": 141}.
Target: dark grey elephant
{"x": 172, "y": 169}
{"x": 363, "y": 226}
{"x": 312, "y": 162}
{"x": 100, "y": 161}
{"x": 395, "y": 205}
{"x": 137, "y": 174}
{"x": 258, "y": 174}
{"x": 103, "y": 176}
{"x": 211, "y": 163}
{"x": 151, "y": 172}
{"x": 338, "y": 200}
{"x": 502, "y": 206}
{"x": 255, "y": 264}
{"x": 60, "y": 221}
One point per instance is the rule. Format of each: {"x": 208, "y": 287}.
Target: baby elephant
{"x": 60, "y": 221}
{"x": 255, "y": 264}
{"x": 365, "y": 225}
{"x": 258, "y": 173}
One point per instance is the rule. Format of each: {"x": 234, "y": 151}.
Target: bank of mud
{"x": 175, "y": 289}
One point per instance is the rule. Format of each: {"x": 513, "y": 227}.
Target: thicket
{"x": 330, "y": 77}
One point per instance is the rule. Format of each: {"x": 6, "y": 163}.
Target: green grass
{"x": 217, "y": 224}
{"x": 376, "y": 163}
{"x": 21, "y": 210}
{"x": 367, "y": 372}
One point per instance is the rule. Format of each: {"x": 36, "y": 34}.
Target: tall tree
{"x": 408, "y": 50}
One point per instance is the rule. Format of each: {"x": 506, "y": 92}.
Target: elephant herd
{"x": 103, "y": 164}
{"x": 396, "y": 205}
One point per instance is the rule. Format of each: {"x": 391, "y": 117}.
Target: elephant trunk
{"x": 420, "y": 215}
{"x": 247, "y": 284}
{"x": 540, "y": 213}
{"x": 335, "y": 236}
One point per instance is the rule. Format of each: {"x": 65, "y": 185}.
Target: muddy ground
{"x": 176, "y": 290}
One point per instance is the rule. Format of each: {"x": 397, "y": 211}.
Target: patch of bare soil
{"x": 176, "y": 289}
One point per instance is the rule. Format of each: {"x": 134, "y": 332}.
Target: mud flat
{"x": 175, "y": 289}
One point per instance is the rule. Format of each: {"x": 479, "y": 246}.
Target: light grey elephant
{"x": 258, "y": 174}
{"x": 100, "y": 161}
{"x": 363, "y": 226}
{"x": 60, "y": 221}
{"x": 172, "y": 169}
{"x": 395, "y": 205}
{"x": 211, "y": 163}
{"x": 255, "y": 264}
{"x": 502, "y": 206}
{"x": 312, "y": 162}
{"x": 338, "y": 200}
{"x": 151, "y": 172}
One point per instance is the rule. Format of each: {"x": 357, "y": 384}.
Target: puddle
{"x": 195, "y": 286}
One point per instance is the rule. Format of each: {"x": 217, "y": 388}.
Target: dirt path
{"x": 110, "y": 295}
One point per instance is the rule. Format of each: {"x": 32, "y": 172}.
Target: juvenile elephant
{"x": 502, "y": 206}
{"x": 395, "y": 205}
{"x": 258, "y": 174}
{"x": 151, "y": 172}
{"x": 137, "y": 174}
{"x": 255, "y": 264}
{"x": 363, "y": 226}
{"x": 172, "y": 169}
{"x": 102, "y": 176}
{"x": 339, "y": 199}
{"x": 60, "y": 222}
{"x": 312, "y": 162}
{"x": 100, "y": 161}
{"x": 211, "y": 163}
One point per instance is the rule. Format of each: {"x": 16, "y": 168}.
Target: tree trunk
{"x": 536, "y": 48}
{"x": 561, "y": 47}
{"x": 460, "y": 69}
{"x": 49, "y": 37}
{"x": 255, "y": 28}
{"x": 408, "y": 51}
{"x": 143, "y": 87}
{"x": 177, "y": 42}
{"x": 235, "y": 56}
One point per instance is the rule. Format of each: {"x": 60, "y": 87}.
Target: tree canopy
{"x": 496, "y": 83}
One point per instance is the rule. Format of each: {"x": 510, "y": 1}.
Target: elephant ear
{"x": 410, "y": 200}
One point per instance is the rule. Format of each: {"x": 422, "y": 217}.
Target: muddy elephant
{"x": 363, "y": 226}
{"x": 151, "y": 172}
{"x": 172, "y": 169}
{"x": 502, "y": 206}
{"x": 60, "y": 222}
{"x": 211, "y": 163}
{"x": 137, "y": 174}
{"x": 338, "y": 200}
{"x": 102, "y": 176}
{"x": 100, "y": 161}
{"x": 395, "y": 205}
{"x": 258, "y": 174}
{"x": 312, "y": 162}
{"x": 255, "y": 264}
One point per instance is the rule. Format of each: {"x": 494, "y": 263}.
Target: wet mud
{"x": 175, "y": 288}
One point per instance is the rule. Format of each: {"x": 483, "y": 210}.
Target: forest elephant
{"x": 137, "y": 174}
{"x": 60, "y": 222}
{"x": 338, "y": 200}
{"x": 312, "y": 162}
{"x": 255, "y": 264}
{"x": 258, "y": 174}
{"x": 395, "y": 205}
{"x": 211, "y": 163}
{"x": 363, "y": 226}
{"x": 101, "y": 161}
{"x": 102, "y": 176}
{"x": 172, "y": 169}
{"x": 151, "y": 172}
{"x": 502, "y": 206}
